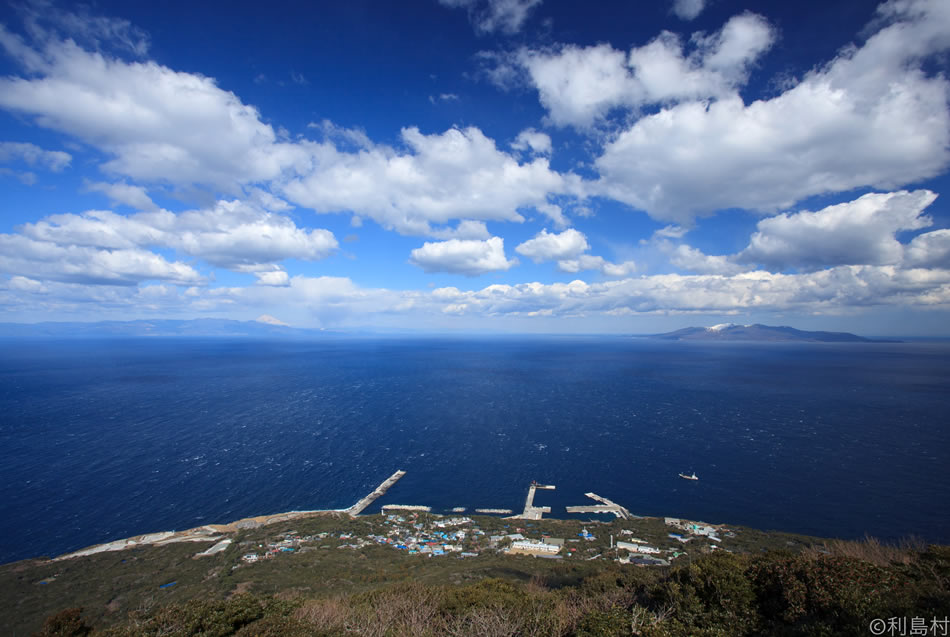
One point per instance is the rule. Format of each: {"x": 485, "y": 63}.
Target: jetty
{"x": 379, "y": 491}
{"x": 532, "y": 512}
{"x": 501, "y": 511}
{"x": 606, "y": 506}
{"x": 406, "y": 507}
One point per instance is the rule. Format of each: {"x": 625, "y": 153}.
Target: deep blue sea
{"x": 101, "y": 440}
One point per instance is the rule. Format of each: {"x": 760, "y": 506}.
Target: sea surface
{"x": 101, "y": 440}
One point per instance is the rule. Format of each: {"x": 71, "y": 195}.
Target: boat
{"x": 689, "y": 477}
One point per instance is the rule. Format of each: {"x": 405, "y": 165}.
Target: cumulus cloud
{"x": 857, "y": 232}
{"x": 824, "y": 291}
{"x": 124, "y": 193}
{"x": 44, "y": 260}
{"x": 929, "y": 250}
{"x": 458, "y": 174}
{"x": 466, "y": 229}
{"x": 693, "y": 260}
{"x": 157, "y": 124}
{"x": 463, "y": 256}
{"x": 579, "y": 86}
{"x": 336, "y": 300}
{"x": 160, "y": 126}
{"x": 547, "y": 246}
{"x": 231, "y": 234}
{"x": 273, "y": 277}
{"x": 569, "y": 249}
{"x": 871, "y": 117}
{"x": 688, "y": 9}
{"x": 488, "y": 16}
{"x": 531, "y": 140}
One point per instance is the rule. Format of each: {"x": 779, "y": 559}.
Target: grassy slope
{"x": 111, "y": 585}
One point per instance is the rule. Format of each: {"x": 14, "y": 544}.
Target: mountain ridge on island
{"x": 762, "y": 333}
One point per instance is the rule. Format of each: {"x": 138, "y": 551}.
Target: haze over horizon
{"x": 513, "y": 165}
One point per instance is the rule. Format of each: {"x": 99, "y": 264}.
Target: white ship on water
{"x": 689, "y": 477}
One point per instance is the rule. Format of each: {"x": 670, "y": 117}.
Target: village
{"x": 423, "y": 534}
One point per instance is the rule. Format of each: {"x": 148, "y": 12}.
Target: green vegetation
{"x": 778, "y": 584}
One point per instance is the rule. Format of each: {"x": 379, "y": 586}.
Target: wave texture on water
{"x": 105, "y": 440}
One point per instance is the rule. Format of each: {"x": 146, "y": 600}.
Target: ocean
{"x": 101, "y": 440}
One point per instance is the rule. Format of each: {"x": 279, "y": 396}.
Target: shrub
{"x": 828, "y": 595}
{"x": 66, "y": 623}
{"x": 712, "y": 596}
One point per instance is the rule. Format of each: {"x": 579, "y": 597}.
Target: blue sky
{"x": 513, "y": 165}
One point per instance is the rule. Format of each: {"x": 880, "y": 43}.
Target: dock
{"x": 606, "y": 506}
{"x": 502, "y": 511}
{"x": 358, "y": 508}
{"x": 406, "y": 507}
{"x": 532, "y": 512}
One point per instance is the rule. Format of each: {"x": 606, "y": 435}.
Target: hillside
{"x": 331, "y": 574}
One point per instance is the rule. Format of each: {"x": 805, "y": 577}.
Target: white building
{"x": 531, "y": 546}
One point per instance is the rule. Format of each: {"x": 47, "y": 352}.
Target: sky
{"x": 502, "y": 165}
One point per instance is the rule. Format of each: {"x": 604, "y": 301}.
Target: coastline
{"x": 204, "y": 533}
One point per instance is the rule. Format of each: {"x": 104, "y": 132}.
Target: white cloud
{"x": 533, "y": 141}
{"x": 671, "y": 231}
{"x": 54, "y": 160}
{"x": 157, "y": 124}
{"x": 547, "y": 246}
{"x": 444, "y": 97}
{"x": 858, "y": 232}
{"x": 872, "y": 117}
{"x": 488, "y": 16}
{"x": 355, "y": 137}
{"x": 688, "y": 9}
{"x": 826, "y": 291}
{"x": 581, "y": 86}
{"x": 460, "y": 256}
{"x": 568, "y": 248}
{"x": 694, "y": 260}
{"x": 124, "y": 193}
{"x": 929, "y": 250}
{"x": 577, "y": 85}
{"x": 232, "y": 234}
{"x": 43, "y": 260}
{"x": 273, "y": 277}
{"x": 160, "y": 126}
{"x": 458, "y": 174}
{"x": 338, "y": 301}
{"x": 466, "y": 229}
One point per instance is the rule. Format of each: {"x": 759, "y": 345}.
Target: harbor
{"x": 378, "y": 492}
{"x": 532, "y": 512}
{"x": 218, "y": 533}
{"x": 605, "y": 506}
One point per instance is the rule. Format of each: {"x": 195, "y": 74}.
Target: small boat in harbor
{"x": 689, "y": 477}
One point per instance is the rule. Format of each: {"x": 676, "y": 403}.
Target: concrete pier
{"x": 607, "y": 506}
{"x": 493, "y": 511}
{"x": 532, "y": 512}
{"x": 405, "y": 507}
{"x": 358, "y": 508}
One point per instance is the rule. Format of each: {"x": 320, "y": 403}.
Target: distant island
{"x": 757, "y": 332}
